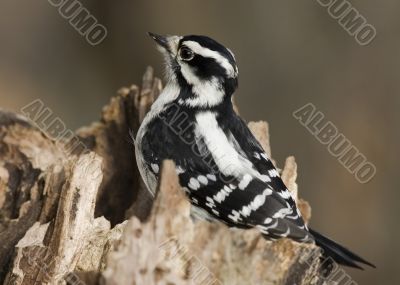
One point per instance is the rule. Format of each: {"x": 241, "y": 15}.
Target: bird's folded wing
{"x": 246, "y": 202}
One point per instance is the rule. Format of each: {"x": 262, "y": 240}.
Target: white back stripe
{"x": 225, "y": 155}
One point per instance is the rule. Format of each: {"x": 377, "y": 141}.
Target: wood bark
{"x": 72, "y": 215}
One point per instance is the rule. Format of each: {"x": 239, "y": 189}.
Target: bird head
{"x": 201, "y": 66}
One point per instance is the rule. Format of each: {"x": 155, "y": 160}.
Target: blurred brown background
{"x": 289, "y": 53}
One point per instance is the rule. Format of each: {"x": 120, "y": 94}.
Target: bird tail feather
{"x": 338, "y": 253}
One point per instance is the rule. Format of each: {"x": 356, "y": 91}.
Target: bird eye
{"x": 186, "y": 53}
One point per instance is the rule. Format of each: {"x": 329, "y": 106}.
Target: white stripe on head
{"x": 205, "y": 52}
{"x": 233, "y": 55}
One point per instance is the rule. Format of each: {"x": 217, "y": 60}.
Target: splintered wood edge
{"x": 170, "y": 196}
{"x": 260, "y": 130}
{"x": 68, "y": 236}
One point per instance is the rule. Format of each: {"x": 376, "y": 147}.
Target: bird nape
{"x": 223, "y": 169}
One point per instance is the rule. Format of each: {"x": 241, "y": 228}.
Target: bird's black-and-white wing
{"x": 243, "y": 203}
{"x": 247, "y": 143}
{"x": 250, "y": 194}
{"x": 258, "y": 198}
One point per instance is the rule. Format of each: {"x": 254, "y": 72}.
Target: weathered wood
{"x": 84, "y": 216}
{"x": 110, "y": 138}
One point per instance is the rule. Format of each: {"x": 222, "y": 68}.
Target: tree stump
{"x": 73, "y": 210}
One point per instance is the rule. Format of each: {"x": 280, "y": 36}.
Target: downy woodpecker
{"x": 221, "y": 166}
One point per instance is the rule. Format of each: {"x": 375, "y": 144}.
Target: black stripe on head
{"x": 212, "y": 45}
{"x": 205, "y": 67}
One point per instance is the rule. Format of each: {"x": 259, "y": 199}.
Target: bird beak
{"x": 162, "y": 41}
{"x": 167, "y": 44}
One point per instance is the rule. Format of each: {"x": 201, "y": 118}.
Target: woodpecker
{"x": 223, "y": 169}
